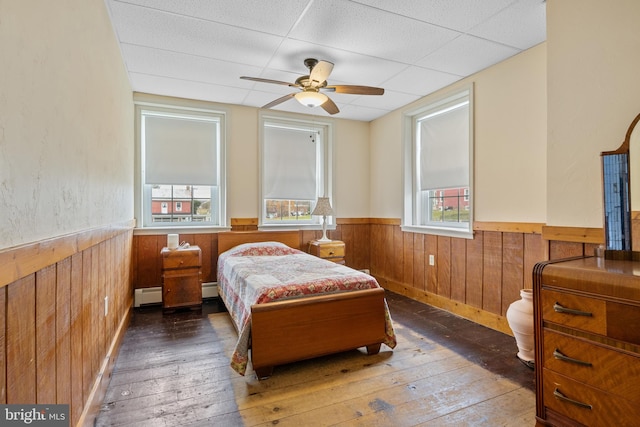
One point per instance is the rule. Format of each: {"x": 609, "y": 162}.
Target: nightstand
{"x": 181, "y": 283}
{"x": 332, "y": 250}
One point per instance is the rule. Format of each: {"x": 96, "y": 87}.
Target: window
{"x": 438, "y": 159}
{"x": 295, "y": 170}
{"x": 181, "y": 174}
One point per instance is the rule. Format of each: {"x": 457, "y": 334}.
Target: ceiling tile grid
{"x": 200, "y": 48}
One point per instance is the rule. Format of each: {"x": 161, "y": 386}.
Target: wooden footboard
{"x": 298, "y": 329}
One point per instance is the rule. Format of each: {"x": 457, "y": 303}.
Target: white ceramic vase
{"x": 520, "y": 318}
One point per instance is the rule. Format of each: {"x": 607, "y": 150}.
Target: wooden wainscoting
{"x": 475, "y": 278}
{"x": 57, "y": 343}
{"x": 147, "y": 262}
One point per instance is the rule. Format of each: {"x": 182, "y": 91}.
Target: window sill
{"x": 439, "y": 231}
{"x": 144, "y": 231}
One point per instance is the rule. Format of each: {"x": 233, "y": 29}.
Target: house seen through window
{"x": 295, "y": 165}
{"x": 438, "y": 166}
{"x": 181, "y": 172}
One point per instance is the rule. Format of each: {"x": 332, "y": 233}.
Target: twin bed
{"x": 288, "y": 305}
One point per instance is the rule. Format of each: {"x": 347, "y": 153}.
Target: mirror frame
{"x": 617, "y": 212}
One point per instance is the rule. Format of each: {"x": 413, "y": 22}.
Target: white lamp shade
{"x": 310, "y": 98}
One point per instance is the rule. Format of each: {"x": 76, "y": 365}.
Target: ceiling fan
{"x": 312, "y": 87}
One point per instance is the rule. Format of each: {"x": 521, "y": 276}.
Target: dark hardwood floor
{"x": 172, "y": 370}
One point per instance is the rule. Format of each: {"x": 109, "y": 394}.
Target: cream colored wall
{"x": 350, "y": 154}
{"x": 351, "y": 169}
{"x": 242, "y": 162}
{"x": 66, "y": 126}
{"x": 510, "y": 137}
{"x": 386, "y": 166}
{"x": 593, "y": 50}
{"x": 510, "y": 143}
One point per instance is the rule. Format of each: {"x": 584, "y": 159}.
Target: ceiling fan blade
{"x": 356, "y": 90}
{"x": 330, "y": 107}
{"x": 320, "y": 72}
{"x": 278, "y": 82}
{"x": 279, "y": 100}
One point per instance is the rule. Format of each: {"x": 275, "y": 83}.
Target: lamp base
{"x": 324, "y": 237}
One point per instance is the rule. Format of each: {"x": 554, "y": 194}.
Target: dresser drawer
{"x": 589, "y": 406}
{"x": 575, "y": 311}
{"x": 592, "y": 364}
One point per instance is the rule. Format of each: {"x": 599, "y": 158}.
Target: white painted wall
{"x": 66, "y": 121}
{"x": 593, "y": 50}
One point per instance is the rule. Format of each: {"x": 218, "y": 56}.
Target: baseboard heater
{"x": 153, "y": 295}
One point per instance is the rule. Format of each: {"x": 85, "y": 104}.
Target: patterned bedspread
{"x": 255, "y": 273}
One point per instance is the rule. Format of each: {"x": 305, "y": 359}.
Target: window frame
{"x": 411, "y": 174}
{"x": 142, "y": 191}
{"x": 324, "y": 183}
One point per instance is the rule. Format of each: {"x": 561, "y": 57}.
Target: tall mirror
{"x": 620, "y": 196}
{"x": 633, "y": 136}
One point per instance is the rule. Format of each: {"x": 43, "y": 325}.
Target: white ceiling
{"x": 198, "y": 49}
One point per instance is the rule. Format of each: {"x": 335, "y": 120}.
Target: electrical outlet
{"x": 432, "y": 260}
{"x": 106, "y": 306}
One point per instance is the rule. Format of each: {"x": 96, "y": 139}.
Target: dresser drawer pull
{"x": 560, "y": 309}
{"x": 558, "y": 355}
{"x": 564, "y": 398}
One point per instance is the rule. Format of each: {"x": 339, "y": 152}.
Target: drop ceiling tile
{"x": 271, "y": 17}
{"x": 507, "y": 26}
{"x": 420, "y": 81}
{"x": 349, "y": 67}
{"x": 144, "y": 60}
{"x": 389, "y": 101}
{"x": 152, "y": 28}
{"x": 186, "y": 89}
{"x": 467, "y": 55}
{"x": 369, "y": 31}
{"x": 459, "y": 15}
{"x": 200, "y": 48}
{"x": 365, "y": 114}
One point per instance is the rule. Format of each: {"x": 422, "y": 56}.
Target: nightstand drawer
{"x": 181, "y": 258}
{"x": 332, "y": 250}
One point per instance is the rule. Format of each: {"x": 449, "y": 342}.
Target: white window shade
{"x": 180, "y": 151}
{"x": 290, "y": 162}
{"x": 444, "y": 149}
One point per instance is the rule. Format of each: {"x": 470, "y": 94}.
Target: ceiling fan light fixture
{"x": 311, "y": 98}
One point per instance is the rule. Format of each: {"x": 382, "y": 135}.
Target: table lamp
{"x": 323, "y": 208}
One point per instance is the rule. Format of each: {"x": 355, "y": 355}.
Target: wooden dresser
{"x": 332, "y": 250}
{"x": 181, "y": 282}
{"x": 587, "y": 339}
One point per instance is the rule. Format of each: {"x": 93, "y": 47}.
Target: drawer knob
{"x": 558, "y": 355}
{"x": 560, "y": 309}
{"x": 331, "y": 252}
{"x": 564, "y": 398}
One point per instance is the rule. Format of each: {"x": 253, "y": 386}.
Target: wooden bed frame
{"x": 292, "y": 330}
